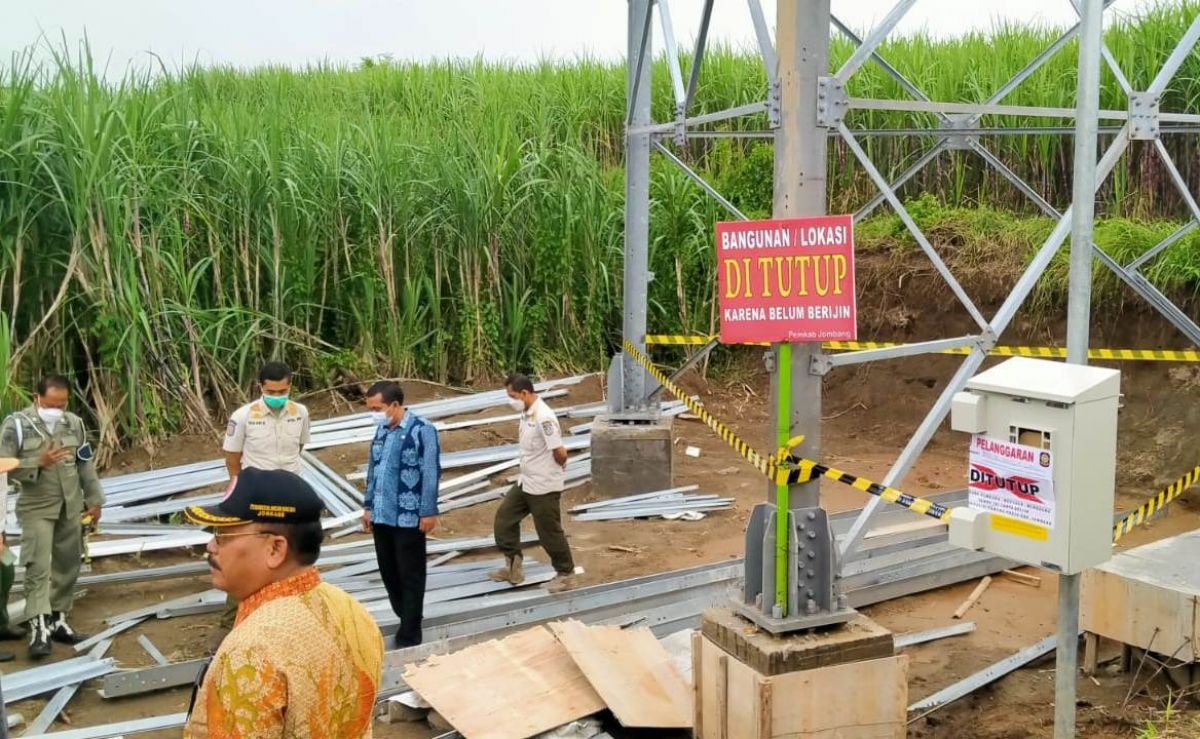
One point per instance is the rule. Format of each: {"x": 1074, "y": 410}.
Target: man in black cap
{"x": 295, "y": 637}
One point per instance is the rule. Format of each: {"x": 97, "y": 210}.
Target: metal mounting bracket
{"x": 1143, "y": 116}
{"x": 953, "y": 126}
{"x": 774, "y": 103}
{"x": 832, "y": 102}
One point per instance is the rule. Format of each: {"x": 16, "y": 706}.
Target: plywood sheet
{"x": 855, "y": 700}
{"x": 511, "y": 688}
{"x": 632, "y": 672}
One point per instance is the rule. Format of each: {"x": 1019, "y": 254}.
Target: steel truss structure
{"x": 961, "y": 126}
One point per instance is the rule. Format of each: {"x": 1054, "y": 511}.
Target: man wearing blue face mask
{"x": 401, "y": 503}
{"x": 267, "y": 434}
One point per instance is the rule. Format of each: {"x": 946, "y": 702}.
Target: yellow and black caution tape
{"x": 1043, "y": 352}
{"x": 1157, "y": 503}
{"x": 783, "y": 468}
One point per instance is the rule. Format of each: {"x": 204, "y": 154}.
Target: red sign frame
{"x": 787, "y": 280}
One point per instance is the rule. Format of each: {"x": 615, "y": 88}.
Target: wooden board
{"x": 632, "y": 672}
{"x": 854, "y": 700}
{"x": 859, "y": 639}
{"x": 1147, "y": 597}
{"x": 512, "y": 688}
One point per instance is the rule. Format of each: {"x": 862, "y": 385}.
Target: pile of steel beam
{"x": 137, "y": 502}
{"x": 665, "y": 503}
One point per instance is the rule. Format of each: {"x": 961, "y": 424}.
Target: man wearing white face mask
{"x": 401, "y": 503}
{"x": 538, "y": 491}
{"x": 57, "y": 483}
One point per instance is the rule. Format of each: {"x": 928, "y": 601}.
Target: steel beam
{"x": 1165, "y": 244}
{"x": 668, "y": 29}
{"x": 1109, "y": 59}
{"x": 894, "y": 352}
{"x": 698, "y": 56}
{"x": 149, "y": 679}
{"x": 1182, "y": 51}
{"x": 1079, "y": 311}
{"x": 765, "y": 48}
{"x": 700, "y": 181}
{"x": 891, "y": 71}
{"x": 637, "y": 205}
{"x": 983, "y": 677}
{"x": 921, "y": 637}
{"x": 872, "y": 42}
{"x": 737, "y": 111}
{"x": 122, "y": 728}
{"x": 1177, "y": 178}
{"x": 913, "y": 228}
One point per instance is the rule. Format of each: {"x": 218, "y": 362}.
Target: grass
{"x": 159, "y": 237}
{"x": 1172, "y": 724}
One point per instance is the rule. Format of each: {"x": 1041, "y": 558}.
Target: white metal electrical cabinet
{"x": 1042, "y": 463}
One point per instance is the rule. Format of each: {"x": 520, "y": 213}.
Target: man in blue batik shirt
{"x": 401, "y": 504}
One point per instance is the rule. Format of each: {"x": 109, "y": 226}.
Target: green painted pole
{"x": 782, "y": 507}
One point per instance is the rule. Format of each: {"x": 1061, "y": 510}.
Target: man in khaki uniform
{"x": 266, "y": 434}
{"x": 8, "y": 565}
{"x": 538, "y": 491}
{"x": 270, "y": 432}
{"x": 57, "y": 483}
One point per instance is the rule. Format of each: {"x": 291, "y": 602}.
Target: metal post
{"x": 1087, "y": 106}
{"x": 637, "y": 201}
{"x": 800, "y": 163}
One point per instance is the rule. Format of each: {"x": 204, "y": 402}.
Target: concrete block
{"x": 631, "y": 458}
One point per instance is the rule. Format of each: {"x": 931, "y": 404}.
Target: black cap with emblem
{"x": 262, "y": 496}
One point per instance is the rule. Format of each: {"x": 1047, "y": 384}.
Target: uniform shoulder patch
{"x": 547, "y": 427}
{"x": 231, "y": 427}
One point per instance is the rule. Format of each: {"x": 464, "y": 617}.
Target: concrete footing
{"x": 631, "y": 458}
{"x": 843, "y": 682}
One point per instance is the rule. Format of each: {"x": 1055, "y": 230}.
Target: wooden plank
{"x": 510, "y": 688}
{"x": 766, "y": 711}
{"x": 631, "y": 671}
{"x": 974, "y": 598}
{"x": 1091, "y": 653}
{"x": 904, "y": 528}
{"x": 1144, "y": 613}
{"x": 723, "y": 696}
{"x": 858, "y": 700}
{"x": 1032, "y": 581}
{"x": 697, "y": 683}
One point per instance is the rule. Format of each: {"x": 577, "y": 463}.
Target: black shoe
{"x": 7, "y": 656}
{"x": 12, "y": 633}
{"x": 39, "y": 638}
{"x": 61, "y": 631}
{"x": 402, "y": 643}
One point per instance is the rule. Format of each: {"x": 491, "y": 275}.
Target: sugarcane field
{"x": 638, "y": 369}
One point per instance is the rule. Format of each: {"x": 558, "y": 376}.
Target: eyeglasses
{"x": 222, "y": 539}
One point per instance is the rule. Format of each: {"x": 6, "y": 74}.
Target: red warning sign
{"x": 789, "y": 280}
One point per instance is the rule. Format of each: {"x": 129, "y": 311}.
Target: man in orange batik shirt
{"x": 304, "y": 659}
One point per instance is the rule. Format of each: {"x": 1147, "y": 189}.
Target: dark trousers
{"x": 547, "y": 520}
{"x": 401, "y": 554}
{"x": 8, "y": 574}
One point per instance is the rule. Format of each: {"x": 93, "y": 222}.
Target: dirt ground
{"x": 869, "y": 412}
